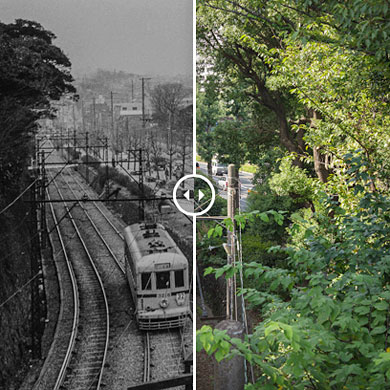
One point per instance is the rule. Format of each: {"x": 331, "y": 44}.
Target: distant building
{"x": 130, "y": 109}
{"x": 100, "y": 100}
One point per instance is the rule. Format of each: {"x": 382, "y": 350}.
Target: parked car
{"x": 223, "y": 183}
{"x": 217, "y": 168}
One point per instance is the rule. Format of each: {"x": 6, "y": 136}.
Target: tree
{"x": 325, "y": 311}
{"x": 243, "y": 50}
{"x": 229, "y": 141}
{"x": 184, "y": 135}
{"x": 167, "y": 101}
{"x": 208, "y": 111}
{"x": 321, "y": 70}
{"x": 32, "y": 72}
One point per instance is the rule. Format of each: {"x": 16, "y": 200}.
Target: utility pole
{"x": 34, "y": 267}
{"x": 141, "y": 187}
{"x": 43, "y": 204}
{"x": 112, "y": 114}
{"x": 232, "y": 194}
{"x": 170, "y": 143}
{"x": 86, "y": 158}
{"x": 132, "y": 90}
{"x": 230, "y": 374}
{"x": 107, "y": 170}
{"x": 83, "y": 115}
{"x": 143, "y": 100}
{"x": 94, "y": 115}
{"x": 74, "y": 126}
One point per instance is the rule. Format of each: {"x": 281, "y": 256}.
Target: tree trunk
{"x": 209, "y": 168}
{"x": 320, "y": 164}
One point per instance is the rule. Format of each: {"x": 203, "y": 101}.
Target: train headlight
{"x": 164, "y": 303}
{"x": 180, "y": 298}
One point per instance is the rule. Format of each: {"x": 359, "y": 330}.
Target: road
{"x": 246, "y": 184}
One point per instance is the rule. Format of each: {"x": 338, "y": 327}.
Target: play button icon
{"x": 190, "y": 190}
{"x": 187, "y": 195}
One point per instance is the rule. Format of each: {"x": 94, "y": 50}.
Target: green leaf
{"x": 208, "y": 271}
{"x": 378, "y": 330}
{"x": 219, "y": 272}
{"x": 383, "y": 305}
{"x": 270, "y": 328}
{"x": 219, "y": 355}
{"x": 264, "y": 217}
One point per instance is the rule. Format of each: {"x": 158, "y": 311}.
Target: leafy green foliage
{"x": 318, "y": 71}
{"x": 326, "y": 313}
{"x": 229, "y": 141}
{"x": 292, "y": 182}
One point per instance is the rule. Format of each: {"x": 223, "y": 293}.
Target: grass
{"x": 246, "y": 167}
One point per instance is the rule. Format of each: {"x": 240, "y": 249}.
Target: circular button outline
{"x": 195, "y": 176}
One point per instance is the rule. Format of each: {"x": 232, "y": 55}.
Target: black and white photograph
{"x": 96, "y": 130}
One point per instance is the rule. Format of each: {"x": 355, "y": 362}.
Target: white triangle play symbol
{"x": 187, "y": 195}
{"x": 201, "y": 194}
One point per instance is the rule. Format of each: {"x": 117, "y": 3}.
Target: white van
{"x": 217, "y": 168}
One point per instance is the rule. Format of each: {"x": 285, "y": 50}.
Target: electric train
{"x": 158, "y": 276}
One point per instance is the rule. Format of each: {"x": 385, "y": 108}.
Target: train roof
{"x": 150, "y": 244}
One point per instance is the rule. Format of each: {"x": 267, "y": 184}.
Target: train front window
{"x": 146, "y": 281}
{"x": 163, "y": 280}
{"x": 179, "y": 278}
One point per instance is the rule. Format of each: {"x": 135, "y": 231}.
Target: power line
{"x": 20, "y": 289}
{"x": 18, "y": 197}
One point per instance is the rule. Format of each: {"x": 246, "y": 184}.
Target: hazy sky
{"x": 138, "y": 36}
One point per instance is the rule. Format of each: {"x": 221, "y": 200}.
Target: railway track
{"x": 74, "y": 361}
{"x": 54, "y": 369}
{"x": 99, "y": 219}
{"x": 105, "y": 239}
{"x": 163, "y": 357}
{"x": 147, "y": 362}
{"x": 83, "y": 362}
{"x": 163, "y": 350}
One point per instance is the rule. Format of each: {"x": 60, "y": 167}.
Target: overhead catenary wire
{"x": 20, "y": 289}
{"x": 29, "y": 281}
{"x": 18, "y": 197}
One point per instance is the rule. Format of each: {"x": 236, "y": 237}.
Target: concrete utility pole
{"x": 74, "y": 125}
{"x": 170, "y": 143}
{"x": 83, "y": 115}
{"x": 112, "y": 113}
{"x": 143, "y": 100}
{"x": 94, "y": 115}
{"x": 141, "y": 187}
{"x": 107, "y": 169}
{"x": 232, "y": 195}
{"x": 86, "y": 158}
{"x": 230, "y": 374}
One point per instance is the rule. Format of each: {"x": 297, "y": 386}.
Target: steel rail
{"x": 101, "y": 211}
{"x": 147, "y": 359}
{"x": 97, "y": 230}
{"x": 76, "y": 312}
{"x": 100, "y": 285}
